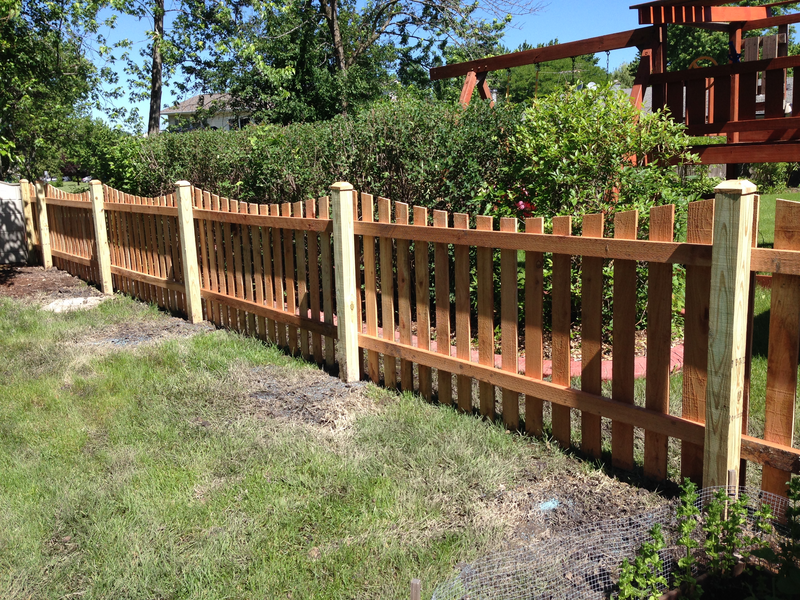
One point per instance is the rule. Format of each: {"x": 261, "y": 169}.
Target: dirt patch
{"x": 35, "y": 284}
{"x": 147, "y": 331}
{"x": 548, "y": 505}
{"x": 307, "y": 396}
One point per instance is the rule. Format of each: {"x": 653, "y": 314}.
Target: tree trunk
{"x": 154, "y": 120}
{"x": 332, "y": 17}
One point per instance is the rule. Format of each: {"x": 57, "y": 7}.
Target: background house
{"x": 206, "y": 111}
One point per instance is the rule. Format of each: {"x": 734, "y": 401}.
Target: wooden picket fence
{"x": 279, "y": 272}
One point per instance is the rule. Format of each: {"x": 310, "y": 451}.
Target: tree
{"x": 522, "y": 84}
{"x": 46, "y": 78}
{"x": 312, "y": 59}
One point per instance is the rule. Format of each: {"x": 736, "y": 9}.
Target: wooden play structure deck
{"x": 746, "y": 100}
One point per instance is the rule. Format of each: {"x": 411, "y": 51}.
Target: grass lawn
{"x": 151, "y": 472}
{"x": 766, "y": 216}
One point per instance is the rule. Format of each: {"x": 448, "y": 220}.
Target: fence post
{"x": 27, "y": 211}
{"x": 416, "y": 589}
{"x": 101, "y": 237}
{"x": 344, "y": 260}
{"x": 191, "y": 273}
{"x": 727, "y": 348}
{"x": 44, "y": 227}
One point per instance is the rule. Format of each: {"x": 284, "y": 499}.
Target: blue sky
{"x": 567, "y": 20}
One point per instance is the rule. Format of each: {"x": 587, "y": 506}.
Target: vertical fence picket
{"x": 534, "y": 327}
{"x": 782, "y": 358}
{"x": 561, "y": 311}
{"x": 314, "y": 280}
{"x": 204, "y": 259}
{"x": 509, "y": 318}
{"x": 269, "y": 287}
{"x": 485, "y": 292}
{"x": 422, "y": 282}
{"x": 624, "y": 332}
{"x": 591, "y": 336}
{"x": 302, "y": 286}
{"x": 359, "y": 253}
{"x": 404, "y": 296}
{"x": 258, "y": 272}
{"x": 370, "y": 287}
{"x": 461, "y": 276}
{"x": 238, "y": 266}
{"x": 247, "y": 260}
{"x": 221, "y": 248}
{"x": 326, "y": 266}
{"x": 659, "y": 336}
{"x": 211, "y": 245}
{"x": 699, "y": 230}
{"x": 387, "y": 293}
{"x": 442, "y": 279}
{"x": 290, "y": 278}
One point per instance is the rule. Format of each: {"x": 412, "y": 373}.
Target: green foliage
{"x": 771, "y": 177}
{"x": 688, "y": 514}
{"x": 642, "y": 578}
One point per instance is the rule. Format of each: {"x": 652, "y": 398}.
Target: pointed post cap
{"x": 740, "y": 187}
{"x": 182, "y": 183}
{"x": 342, "y": 186}
{"x": 23, "y": 180}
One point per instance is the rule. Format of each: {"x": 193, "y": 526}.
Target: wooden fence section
{"x": 72, "y": 235}
{"x": 401, "y": 326}
{"x": 267, "y": 271}
{"x": 144, "y": 244}
{"x": 435, "y": 298}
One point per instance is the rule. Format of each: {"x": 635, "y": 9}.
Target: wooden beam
{"x": 778, "y": 124}
{"x": 770, "y": 64}
{"x": 345, "y": 273}
{"x": 483, "y": 88}
{"x": 771, "y": 22}
{"x": 295, "y": 223}
{"x": 191, "y": 272}
{"x": 730, "y": 278}
{"x": 742, "y": 153}
{"x": 101, "y": 237}
{"x": 466, "y": 90}
{"x": 687, "y": 15}
{"x": 44, "y": 227}
{"x": 639, "y": 38}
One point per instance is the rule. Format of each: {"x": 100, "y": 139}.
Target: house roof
{"x": 193, "y": 104}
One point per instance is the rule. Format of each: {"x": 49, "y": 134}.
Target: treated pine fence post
{"x": 27, "y": 211}
{"x": 101, "y": 237}
{"x": 191, "y": 273}
{"x": 44, "y": 227}
{"x": 344, "y": 260}
{"x": 416, "y": 589}
{"x": 727, "y": 348}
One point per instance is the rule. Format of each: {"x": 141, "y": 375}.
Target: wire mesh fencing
{"x": 584, "y": 564}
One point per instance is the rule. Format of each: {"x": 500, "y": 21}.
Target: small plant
{"x": 787, "y": 558}
{"x": 687, "y": 524}
{"x": 642, "y": 578}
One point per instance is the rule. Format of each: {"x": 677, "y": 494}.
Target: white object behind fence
{"x": 13, "y": 247}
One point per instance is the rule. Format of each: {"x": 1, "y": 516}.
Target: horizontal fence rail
{"x": 452, "y": 307}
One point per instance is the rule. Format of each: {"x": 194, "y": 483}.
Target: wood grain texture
{"x": 784, "y": 333}
{"x": 370, "y": 287}
{"x": 191, "y": 276}
{"x": 534, "y": 327}
{"x": 290, "y": 278}
{"x": 422, "y": 283}
{"x": 277, "y": 257}
{"x": 624, "y": 330}
{"x": 302, "y": 279}
{"x": 326, "y": 266}
{"x": 561, "y": 311}
{"x": 442, "y": 283}
{"x": 659, "y": 336}
{"x": 404, "y": 296}
{"x": 345, "y": 274}
{"x": 730, "y": 278}
{"x": 387, "y": 292}
{"x": 269, "y": 285}
{"x": 461, "y": 276}
{"x": 258, "y": 272}
{"x": 591, "y": 336}
{"x": 314, "y": 281}
{"x": 509, "y": 319}
{"x": 485, "y": 292}
{"x": 700, "y": 230}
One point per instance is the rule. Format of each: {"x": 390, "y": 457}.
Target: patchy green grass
{"x": 140, "y": 473}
